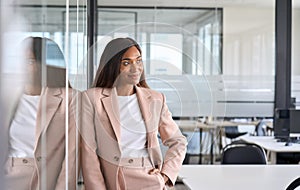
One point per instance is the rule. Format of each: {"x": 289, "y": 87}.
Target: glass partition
{"x": 42, "y": 71}
{"x": 175, "y": 41}
{"x": 49, "y": 21}
{"x": 212, "y": 61}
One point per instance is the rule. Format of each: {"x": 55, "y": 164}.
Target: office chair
{"x": 259, "y": 129}
{"x": 294, "y": 184}
{"x": 232, "y": 132}
{"x": 243, "y": 153}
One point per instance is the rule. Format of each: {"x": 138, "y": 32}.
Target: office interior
{"x": 222, "y": 65}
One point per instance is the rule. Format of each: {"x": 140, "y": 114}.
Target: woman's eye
{"x": 139, "y": 61}
{"x": 125, "y": 63}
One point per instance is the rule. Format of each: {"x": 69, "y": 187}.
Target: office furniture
{"x": 237, "y": 177}
{"x": 259, "y": 129}
{"x": 221, "y": 126}
{"x": 232, "y": 132}
{"x": 294, "y": 184}
{"x": 264, "y": 128}
{"x": 196, "y": 126}
{"x": 215, "y": 129}
{"x": 243, "y": 153}
{"x": 271, "y": 146}
{"x": 189, "y": 126}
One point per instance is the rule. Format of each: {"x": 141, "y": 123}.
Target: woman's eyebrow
{"x": 126, "y": 58}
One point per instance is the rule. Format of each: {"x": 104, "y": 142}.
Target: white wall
{"x": 296, "y": 42}
{"x": 248, "y": 41}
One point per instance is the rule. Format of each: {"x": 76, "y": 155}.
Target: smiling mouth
{"x": 134, "y": 76}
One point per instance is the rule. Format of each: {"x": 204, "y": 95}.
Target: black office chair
{"x": 232, "y": 132}
{"x": 243, "y": 153}
{"x": 294, "y": 184}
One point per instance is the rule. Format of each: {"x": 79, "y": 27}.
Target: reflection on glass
{"x": 37, "y": 130}
{"x": 171, "y": 38}
{"x": 50, "y": 22}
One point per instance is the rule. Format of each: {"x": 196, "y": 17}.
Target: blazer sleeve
{"x": 173, "y": 138}
{"x": 91, "y": 168}
{"x": 72, "y": 144}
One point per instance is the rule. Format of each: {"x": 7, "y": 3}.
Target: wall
{"x": 248, "y": 41}
{"x": 296, "y": 42}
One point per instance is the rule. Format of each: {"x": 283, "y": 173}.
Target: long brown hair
{"x": 109, "y": 66}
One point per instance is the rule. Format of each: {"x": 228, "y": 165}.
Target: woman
{"x": 121, "y": 119}
{"x": 37, "y": 158}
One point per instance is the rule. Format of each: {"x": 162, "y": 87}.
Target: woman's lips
{"x": 134, "y": 76}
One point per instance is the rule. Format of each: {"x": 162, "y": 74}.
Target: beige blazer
{"x": 49, "y": 151}
{"x": 100, "y": 130}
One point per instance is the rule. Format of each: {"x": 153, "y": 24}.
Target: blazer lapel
{"x": 144, "y": 98}
{"x": 147, "y": 105}
{"x": 111, "y": 106}
{"x": 48, "y": 105}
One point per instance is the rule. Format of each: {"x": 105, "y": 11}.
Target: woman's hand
{"x": 165, "y": 177}
{"x": 156, "y": 171}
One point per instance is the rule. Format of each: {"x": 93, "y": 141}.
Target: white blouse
{"x": 133, "y": 129}
{"x": 22, "y": 129}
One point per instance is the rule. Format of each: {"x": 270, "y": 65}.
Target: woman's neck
{"x": 125, "y": 90}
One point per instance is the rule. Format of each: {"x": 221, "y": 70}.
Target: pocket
{"x": 19, "y": 177}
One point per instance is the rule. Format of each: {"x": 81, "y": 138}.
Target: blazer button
{"x": 25, "y": 161}
{"x": 39, "y": 158}
{"x": 116, "y": 158}
{"x": 130, "y": 161}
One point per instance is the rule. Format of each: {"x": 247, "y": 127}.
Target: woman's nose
{"x": 133, "y": 67}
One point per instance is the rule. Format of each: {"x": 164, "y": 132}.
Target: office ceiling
{"x": 162, "y": 16}
{"x": 168, "y": 3}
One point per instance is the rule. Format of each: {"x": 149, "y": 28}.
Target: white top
{"x": 237, "y": 177}
{"x": 133, "y": 129}
{"x": 22, "y": 129}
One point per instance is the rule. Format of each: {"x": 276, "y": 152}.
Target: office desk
{"x": 272, "y": 147}
{"x": 213, "y": 127}
{"x": 231, "y": 123}
{"x": 220, "y": 126}
{"x": 237, "y": 177}
{"x": 194, "y": 126}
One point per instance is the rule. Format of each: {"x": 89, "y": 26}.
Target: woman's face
{"x": 32, "y": 67}
{"x": 131, "y": 67}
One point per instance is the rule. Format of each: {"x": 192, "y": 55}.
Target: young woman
{"x": 37, "y": 153}
{"x": 121, "y": 120}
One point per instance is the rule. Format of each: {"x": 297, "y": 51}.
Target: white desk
{"x": 272, "y": 146}
{"x": 237, "y": 177}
